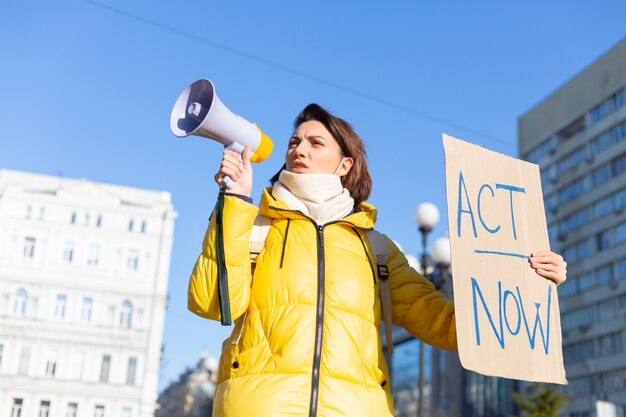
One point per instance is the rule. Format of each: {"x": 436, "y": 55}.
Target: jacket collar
{"x": 364, "y": 215}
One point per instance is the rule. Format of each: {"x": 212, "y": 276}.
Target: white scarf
{"x": 320, "y": 196}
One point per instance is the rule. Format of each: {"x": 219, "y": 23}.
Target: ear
{"x": 345, "y": 166}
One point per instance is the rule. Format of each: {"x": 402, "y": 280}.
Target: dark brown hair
{"x": 358, "y": 180}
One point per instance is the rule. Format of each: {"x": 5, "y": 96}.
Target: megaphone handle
{"x": 236, "y": 147}
{"x": 228, "y": 182}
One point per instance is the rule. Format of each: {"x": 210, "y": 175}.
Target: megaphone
{"x": 198, "y": 111}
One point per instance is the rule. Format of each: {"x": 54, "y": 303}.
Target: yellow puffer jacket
{"x": 306, "y": 340}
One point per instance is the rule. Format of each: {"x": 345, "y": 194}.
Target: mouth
{"x": 298, "y": 167}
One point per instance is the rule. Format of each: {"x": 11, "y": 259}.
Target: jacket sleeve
{"x": 202, "y": 294}
{"x": 417, "y": 306}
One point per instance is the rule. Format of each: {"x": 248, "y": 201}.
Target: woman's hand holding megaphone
{"x": 238, "y": 168}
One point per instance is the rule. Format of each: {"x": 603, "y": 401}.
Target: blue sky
{"x": 87, "y": 88}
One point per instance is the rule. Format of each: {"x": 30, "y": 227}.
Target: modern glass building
{"x": 577, "y": 135}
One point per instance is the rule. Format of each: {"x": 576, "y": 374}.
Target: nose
{"x": 300, "y": 150}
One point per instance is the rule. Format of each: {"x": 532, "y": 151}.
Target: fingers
{"x": 231, "y": 166}
{"x": 549, "y": 265}
{"x": 552, "y": 276}
{"x": 245, "y": 156}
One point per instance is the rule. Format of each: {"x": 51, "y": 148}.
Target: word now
{"x": 517, "y": 318}
{"x": 468, "y": 209}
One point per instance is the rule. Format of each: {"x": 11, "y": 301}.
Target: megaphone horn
{"x": 199, "y": 111}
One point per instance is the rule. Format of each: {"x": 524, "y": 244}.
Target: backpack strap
{"x": 258, "y": 235}
{"x": 381, "y": 253}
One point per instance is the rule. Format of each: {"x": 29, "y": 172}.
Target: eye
{"x": 293, "y": 142}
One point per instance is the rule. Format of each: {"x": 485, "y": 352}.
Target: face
{"x": 313, "y": 150}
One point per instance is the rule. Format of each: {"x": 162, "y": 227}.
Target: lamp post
{"x": 426, "y": 217}
{"x": 440, "y": 255}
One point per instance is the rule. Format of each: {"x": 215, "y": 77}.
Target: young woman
{"x": 306, "y": 340}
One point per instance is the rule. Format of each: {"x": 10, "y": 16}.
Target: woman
{"x": 306, "y": 339}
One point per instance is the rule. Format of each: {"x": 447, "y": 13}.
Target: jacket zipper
{"x": 319, "y": 318}
{"x": 319, "y": 322}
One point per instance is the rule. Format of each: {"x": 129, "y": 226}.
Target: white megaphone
{"x": 198, "y": 111}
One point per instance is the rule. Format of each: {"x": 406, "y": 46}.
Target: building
{"x": 83, "y": 282}
{"x": 192, "y": 394}
{"x": 577, "y": 136}
{"x": 449, "y": 390}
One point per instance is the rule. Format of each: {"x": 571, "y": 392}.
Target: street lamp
{"x": 440, "y": 254}
{"x": 426, "y": 217}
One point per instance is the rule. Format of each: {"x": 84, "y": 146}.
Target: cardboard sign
{"x": 507, "y": 316}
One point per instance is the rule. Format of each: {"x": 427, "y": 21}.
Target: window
{"x": 602, "y": 208}
{"x": 619, "y": 165}
{"x": 1, "y": 352}
{"x": 59, "y": 306}
{"x": 21, "y": 300}
{"x": 143, "y": 226}
{"x": 608, "y": 106}
{"x": 24, "y": 360}
{"x": 73, "y": 218}
{"x": 551, "y": 202}
{"x": 609, "y": 138}
{"x": 578, "y": 351}
{"x": 609, "y": 344}
{"x": 606, "y": 309}
{"x": 604, "y": 275}
{"x": 68, "y": 252}
{"x": 569, "y": 287}
{"x": 85, "y": 311}
{"x": 133, "y": 259}
{"x": 132, "y": 370}
{"x": 42, "y": 213}
{"x": 29, "y": 247}
{"x": 574, "y": 190}
{"x": 621, "y": 269}
{"x": 619, "y": 201}
{"x": 577, "y": 251}
{"x": 127, "y": 412}
{"x": 86, "y": 221}
{"x": 571, "y": 160}
{"x": 99, "y": 221}
{"x": 126, "y": 317}
{"x": 79, "y": 365}
{"x": 547, "y": 174}
{"x": 620, "y": 233}
{"x": 72, "y": 410}
{"x": 544, "y": 148}
{"x": 29, "y": 212}
{"x": 131, "y": 225}
{"x": 33, "y": 303}
{"x": 105, "y": 368}
{"x": 574, "y": 221}
{"x": 44, "y": 409}
{"x": 99, "y": 411}
{"x": 573, "y": 128}
{"x": 601, "y": 175}
{"x": 111, "y": 318}
{"x": 586, "y": 281}
{"x": 94, "y": 254}
{"x": 603, "y": 240}
{"x": 580, "y": 317}
{"x": 16, "y": 408}
{"x": 51, "y": 362}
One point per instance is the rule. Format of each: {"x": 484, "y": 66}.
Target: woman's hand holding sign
{"x": 549, "y": 265}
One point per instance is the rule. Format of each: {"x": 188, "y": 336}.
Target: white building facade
{"x": 84, "y": 268}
